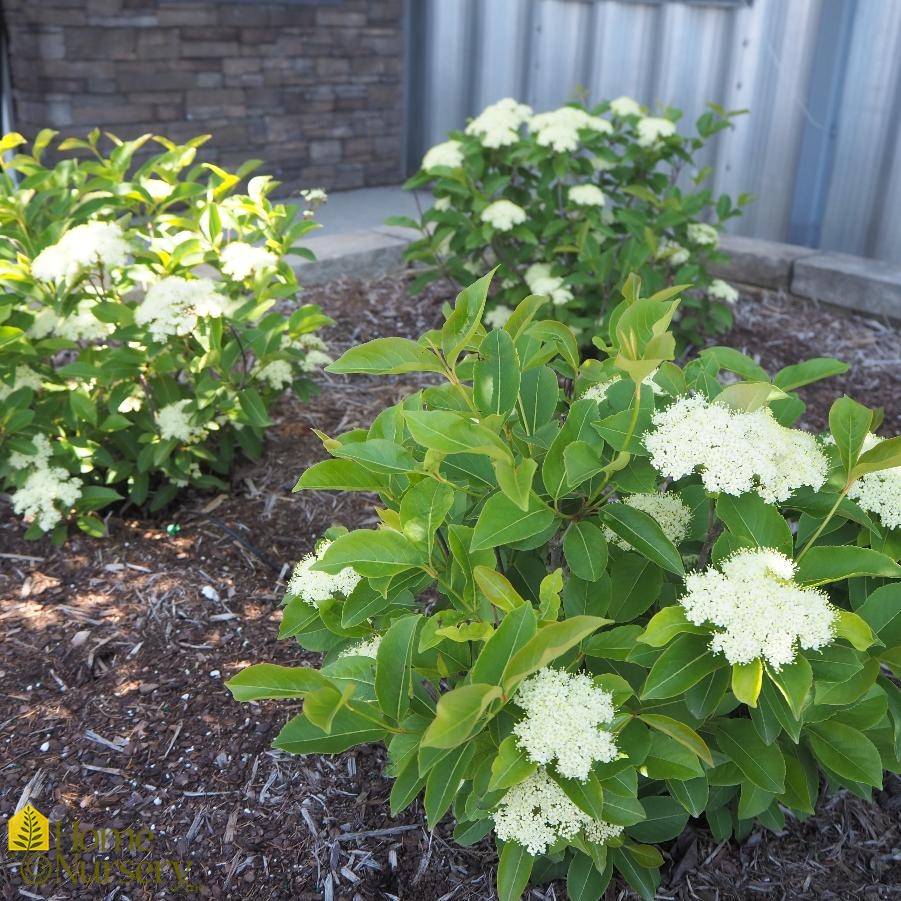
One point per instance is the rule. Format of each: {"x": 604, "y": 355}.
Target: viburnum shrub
{"x": 570, "y": 203}
{"x": 604, "y": 597}
{"x": 139, "y": 346}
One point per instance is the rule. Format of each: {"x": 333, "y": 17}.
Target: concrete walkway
{"x": 354, "y": 239}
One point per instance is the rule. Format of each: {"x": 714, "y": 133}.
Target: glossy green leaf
{"x": 502, "y": 522}
{"x": 393, "y": 672}
{"x": 760, "y": 763}
{"x": 496, "y": 374}
{"x": 643, "y": 532}
{"x": 513, "y": 871}
{"x": 458, "y": 715}
{"x": 849, "y": 424}
{"x": 822, "y": 564}
{"x": 682, "y": 664}
{"x": 387, "y": 356}
{"x": 268, "y": 680}
{"x": 846, "y": 751}
{"x": 372, "y": 552}
{"x": 585, "y": 550}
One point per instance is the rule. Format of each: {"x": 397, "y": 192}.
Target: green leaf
{"x": 849, "y": 424}
{"x": 466, "y": 318}
{"x": 454, "y": 433}
{"x": 794, "y": 681}
{"x": 553, "y": 467}
{"x": 551, "y": 641}
{"x": 666, "y": 624}
{"x": 538, "y": 394}
{"x": 882, "y": 611}
{"x": 378, "y": 455}
{"x": 458, "y": 715}
{"x": 513, "y": 871}
{"x": 760, "y": 763}
{"x": 515, "y": 481}
{"x": 644, "y": 880}
{"x": 583, "y": 881}
{"x": 732, "y": 360}
{"x": 636, "y": 584}
{"x": 666, "y": 820}
{"x": 517, "y": 628}
{"x": 585, "y": 550}
{"x": 854, "y": 629}
{"x": 752, "y": 518}
{"x": 692, "y": 794}
{"x": 372, "y": 552}
{"x": 497, "y": 588}
{"x": 340, "y": 475}
{"x": 443, "y": 782}
{"x": 822, "y": 564}
{"x": 502, "y": 522}
{"x": 268, "y": 680}
{"x": 793, "y": 377}
{"x": 747, "y": 680}
{"x": 349, "y": 728}
{"x": 748, "y": 396}
{"x": 496, "y": 374}
{"x": 846, "y": 751}
{"x": 682, "y": 664}
{"x": 581, "y": 461}
{"x": 680, "y": 732}
{"x": 394, "y": 666}
{"x": 511, "y": 766}
{"x": 254, "y": 408}
{"x": 885, "y": 455}
{"x": 644, "y": 533}
{"x": 387, "y": 356}
{"x": 423, "y": 509}
{"x": 587, "y": 794}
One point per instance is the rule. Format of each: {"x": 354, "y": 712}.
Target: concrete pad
{"x": 766, "y": 264}
{"x": 857, "y": 283}
{"x": 361, "y": 254}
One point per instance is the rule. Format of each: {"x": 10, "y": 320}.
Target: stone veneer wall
{"x": 315, "y": 89}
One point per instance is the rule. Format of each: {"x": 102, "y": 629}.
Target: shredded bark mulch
{"x": 113, "y": 653}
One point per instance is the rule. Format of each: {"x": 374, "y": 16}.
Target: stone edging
{"x": 855, "y": 283}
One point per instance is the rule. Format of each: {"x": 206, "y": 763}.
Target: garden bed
{"x": 113, "y": 654}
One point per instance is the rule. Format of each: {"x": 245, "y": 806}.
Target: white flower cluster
{"x": 79, "y": 248}
{"x": 173, "y": 305}
{"x": 82, "y": 325}
{"x": 368, "y": 647}
{"x": 174, "y": 421}
{"x": 315, "y": 586}
{"x": 315, "y": 351}
{"x": 670, "y": 511}
{"x": 537, "y": 812}
{"x": 503, "y": 215}
{"x": 652, "y": 130}
{"x": 587, "y": 195}
{"x": 675, "y": 254}
{"x": 735, "y": 451}
{"x": 563, "y": 713}
{"x": 702, "y": 234}
{"x": 879, "y": 492}
{"x": 314, "y": 196}
{"x": 240, "y": 260}
{"x": 498, "y": 125}
{"x": 722, "y": 291}
{"x": 278, "y": 374}
{"x": 25, "y": 377}
{"x": 44, "y": 488}
{"x": 448, "y": 153}
{"x": 599, "y": 391}
{"x": 625, "y": 106}
{"x": 762, "y": 613}
{"x": 540, "y": 281}
{"x": 497, "y": 316}
{"x": 559, "y": 129}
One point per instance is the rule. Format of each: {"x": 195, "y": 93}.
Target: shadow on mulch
{"x": 113, "y": 654}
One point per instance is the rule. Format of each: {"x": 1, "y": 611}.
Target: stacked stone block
{"x": 315, "y": 89}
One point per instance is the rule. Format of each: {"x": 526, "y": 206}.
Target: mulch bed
{"x": 113, "y": 654}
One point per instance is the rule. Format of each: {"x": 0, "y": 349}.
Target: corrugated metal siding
{"x": 761, "y": 56}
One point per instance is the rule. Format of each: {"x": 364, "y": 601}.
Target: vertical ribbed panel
{"x": 867, "y": 136}
{"x": 757, "y": 57}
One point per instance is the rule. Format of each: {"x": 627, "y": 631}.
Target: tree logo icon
{"x": 29, "y": 830}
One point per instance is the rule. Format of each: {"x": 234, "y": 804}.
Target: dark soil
{"x": 113, "y": 653}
